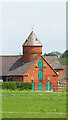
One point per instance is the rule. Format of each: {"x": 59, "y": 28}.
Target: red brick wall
{"x": 29, "y": 57}
{"x": 30, "y": 52}
{"x": 32, "y": 49}
{"x": 60, "y": 74}
{"x": 17, "y": 78}
{"x": 33, "y": 72}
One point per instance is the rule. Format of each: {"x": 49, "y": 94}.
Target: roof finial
{"x": 32, "y": 28}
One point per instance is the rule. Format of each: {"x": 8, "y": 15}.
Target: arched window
{"x": 48, "y": 86}
{"x": 33, "y": 86}
{"x": 40, "y": 63}
{"x": 40, "y": 86}
{"x": 40, "y": 75}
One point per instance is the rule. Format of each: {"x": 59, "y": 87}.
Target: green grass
{"x": 63, "y": 61}
{"x": 28, "y": 104}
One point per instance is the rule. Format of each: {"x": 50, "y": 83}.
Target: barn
{"x": 44, "y": 72}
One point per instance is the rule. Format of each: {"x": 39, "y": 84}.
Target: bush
{"x": 0, "y": 85}
{"x": 16, "y": 85}
{"x": 9, "y": 85}
{"x": 20, "y": 85}
{"x": 24, "y": 86}
{"x": 27, "y": 86}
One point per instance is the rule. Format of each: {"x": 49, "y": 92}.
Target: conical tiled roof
{"x": 32, "y": 40}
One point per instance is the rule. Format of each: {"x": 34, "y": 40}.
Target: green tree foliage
{"x": 65, "y": 54}
{"x": 55, "y": 53}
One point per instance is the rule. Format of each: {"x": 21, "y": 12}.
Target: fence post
{"x": 53, "y": 88}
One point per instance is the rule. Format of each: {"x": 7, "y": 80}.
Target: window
{"x": 48, "y": 86}
{"x": 40, "y": 86}
{"x": 9, "y": 78}
{"x": 33, "y": 86}
{"x": 40, "y": 75}
{"x": 40, "y": 63}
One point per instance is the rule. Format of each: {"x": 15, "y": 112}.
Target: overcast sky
{"x": 17, "y": 19}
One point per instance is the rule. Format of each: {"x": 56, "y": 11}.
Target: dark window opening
{"x": 9, "y": 78}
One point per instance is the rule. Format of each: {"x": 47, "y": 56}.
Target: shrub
{"x": 0, "y": 85}
{"x": 20, "y": 85}
{"x": 16, "y": 85}
{"x": 9, "y": 85}
{"x": 4, "y": 85}
{"x": 24, "y": 86}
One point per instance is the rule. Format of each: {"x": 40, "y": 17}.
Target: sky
{"x": 48, "y": 20}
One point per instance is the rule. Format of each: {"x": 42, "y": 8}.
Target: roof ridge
{"x": 10, "y": 55}
{"x": 50, "y": 56}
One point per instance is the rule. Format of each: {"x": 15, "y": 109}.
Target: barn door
{"x": 32, "y": 85}
{"x": 40, "y": 86}
{"x": 48, "y": 86}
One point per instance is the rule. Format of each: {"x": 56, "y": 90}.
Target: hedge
{"x": 22, "y": 86}
{"x": 9, "y": 85}
{"x": 16, "y": 85}
{"x": 0, "y": 85}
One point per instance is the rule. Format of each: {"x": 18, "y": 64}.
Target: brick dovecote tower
{"x": 31, "y": 47}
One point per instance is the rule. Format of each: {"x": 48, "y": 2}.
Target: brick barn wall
{"x": 60, "y": 74}
{"x": 33, "y": 72}
{"x": 17, "y": 78}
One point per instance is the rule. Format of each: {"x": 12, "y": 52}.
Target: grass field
{"x": 29, "y": 104}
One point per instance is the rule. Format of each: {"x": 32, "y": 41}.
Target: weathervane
{"x": 32, "y": 27}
